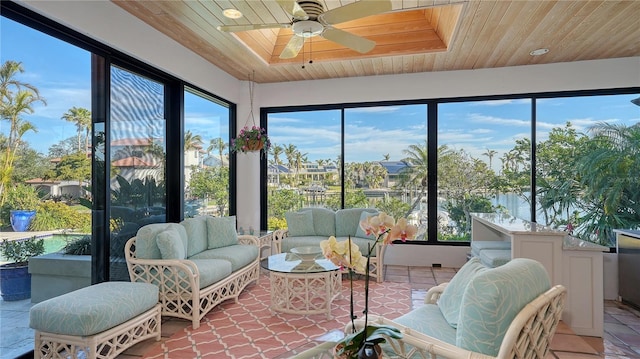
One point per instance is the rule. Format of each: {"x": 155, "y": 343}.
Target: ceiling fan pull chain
{"x": 302, "y": 55}
{"x": 310, "y": 50}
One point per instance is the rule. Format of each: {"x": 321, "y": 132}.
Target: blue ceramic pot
{"x": 21, "y": 220}
{"x": 15, "y": 282}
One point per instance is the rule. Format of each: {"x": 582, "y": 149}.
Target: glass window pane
{"x": 385, "y": 161}
{"x": 303, "y": 163}
{"x": 137, "y": 160}
{"x": 206, "y": 155}
{"x": 483, "y": 162}
{"x": 45, "y": 149}
{"x": 588, "y": 165}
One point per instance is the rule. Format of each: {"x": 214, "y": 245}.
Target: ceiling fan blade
{"x": 349, "y": 40}
{"x": 293, "y": 8}
{"x": 356, "y": 10}
{"x": 235, "y": 28}
{"x": 293, "y": 47}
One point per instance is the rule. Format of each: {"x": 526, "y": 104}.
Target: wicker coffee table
{"x": 302, "y": 287}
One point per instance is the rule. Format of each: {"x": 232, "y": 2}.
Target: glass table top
{"x": 291, "y": 263}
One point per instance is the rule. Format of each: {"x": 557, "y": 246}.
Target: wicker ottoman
{"x": 99, "y": 321}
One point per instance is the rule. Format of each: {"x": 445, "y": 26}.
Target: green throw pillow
{"x": 300, "y": 223}
{"x": 170, "y": 244}
{"x": 221, "y": 232}
{"x": 451, "y": 298}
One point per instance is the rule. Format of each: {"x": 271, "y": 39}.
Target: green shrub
{"x": 22, "y": 197}
{"x": 56, "y": 215}
{"x": 274, "y": 223}
{"x": 18, "y": 252}
{"x": 79, "y": 246}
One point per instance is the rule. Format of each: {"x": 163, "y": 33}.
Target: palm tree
{"x": 12, "y": 111}
{"x": 610, "y": 172}
{"x": 219, "y": 145}
{"x": 415, "y": 174}
{"x": 82, "y": 119}
{"x": 290, "y": 153}
{"x": 9, "y": 83}
{"x": 191, "y": 141}
{"x": 490, "y": 153}
{"x": 299, "y": 159}
{"x": 16, "y": 99}
{"x": 276, "y": 151}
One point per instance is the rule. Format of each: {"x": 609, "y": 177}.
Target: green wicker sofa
{"x": 309, "y": 226}
{"x": 197, "y": 263}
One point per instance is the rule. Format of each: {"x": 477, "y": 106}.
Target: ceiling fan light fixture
{"x": 232, "y": 13}
{"x": 307, "y": 28}
{"x": 538, "y": 52}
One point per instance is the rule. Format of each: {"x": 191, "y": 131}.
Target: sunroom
{"x": 484, "y": 119}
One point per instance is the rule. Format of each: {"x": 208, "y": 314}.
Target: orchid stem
{"x": 353, "y": 317}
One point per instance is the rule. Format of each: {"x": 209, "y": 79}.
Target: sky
{"x": 371, "y": 133}
{"x": 62, "y": 74}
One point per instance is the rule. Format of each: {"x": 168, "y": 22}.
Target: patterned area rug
{"x": 250, "y": 330}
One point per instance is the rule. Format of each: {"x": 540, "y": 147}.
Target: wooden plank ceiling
{"x": 416, "y": 36}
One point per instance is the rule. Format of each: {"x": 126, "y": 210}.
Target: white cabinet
{"x": 569, "y": 261}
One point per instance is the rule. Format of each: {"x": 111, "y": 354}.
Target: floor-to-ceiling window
{"x": 45, "y": 153}
{"x": 581, "y": 177}
{"x": 483, "y": 162}
{"x": 304, "y": 163}
{"x": 588, "y": 164}
{"x": 206, "y": 155}
{"x": 138, "y": 160}
{"x": 385, "y": 160}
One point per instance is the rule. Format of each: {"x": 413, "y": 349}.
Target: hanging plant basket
{"x": 255, "y": 145}
{"x": 251, "y": 139}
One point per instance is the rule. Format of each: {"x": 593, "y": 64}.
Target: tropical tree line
{"x": 585, "y": 182}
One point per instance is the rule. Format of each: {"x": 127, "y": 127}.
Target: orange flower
{"x": 402, "y": 230}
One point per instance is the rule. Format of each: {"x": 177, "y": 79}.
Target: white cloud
{"x": 484, "y": 119}
{"x": 501, "y": 102}
{"x": 380, "y": 109}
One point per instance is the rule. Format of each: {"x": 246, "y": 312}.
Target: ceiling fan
{"x": 310, "y": 19}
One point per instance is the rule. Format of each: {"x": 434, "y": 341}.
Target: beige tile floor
{"x": 621, "y": 338}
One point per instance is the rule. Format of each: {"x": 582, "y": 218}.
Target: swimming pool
{"x": 53, "y": 243}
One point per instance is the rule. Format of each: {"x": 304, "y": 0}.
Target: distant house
{"x": 135, "y": 158}
{"x": 55, "y": 188}
{"x": 274, "y": 172}
{"x": 394, "y": 168}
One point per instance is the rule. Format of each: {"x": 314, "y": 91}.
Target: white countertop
{"x": 512, "y": 225}
{"x": 629, "y": 232}
{"x": 576, "y": 244}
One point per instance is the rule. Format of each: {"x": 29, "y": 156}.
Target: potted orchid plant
{"x": 364, "y": 343}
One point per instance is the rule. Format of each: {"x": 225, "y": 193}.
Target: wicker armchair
{"x": 528, "y": 335}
